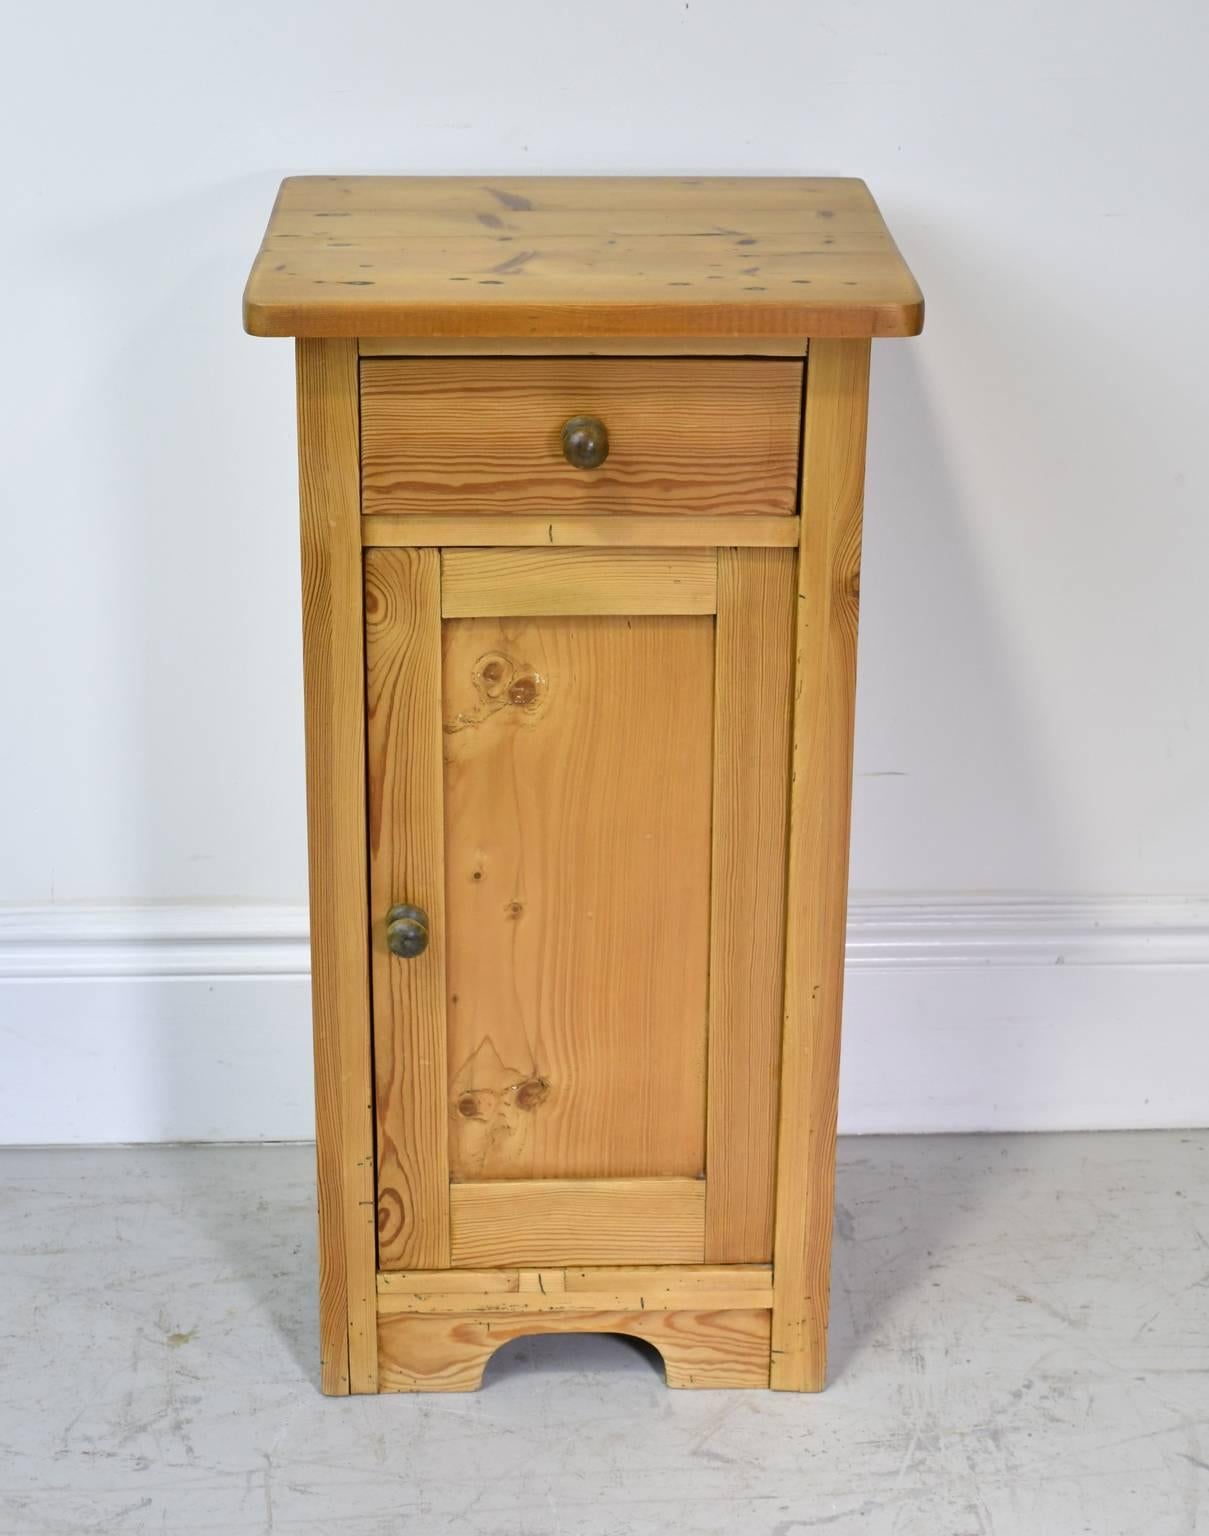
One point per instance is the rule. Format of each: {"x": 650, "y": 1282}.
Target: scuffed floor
{"x": 1020, "y": 1346}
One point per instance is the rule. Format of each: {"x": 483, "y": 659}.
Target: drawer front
{"x": 697, "y": 436}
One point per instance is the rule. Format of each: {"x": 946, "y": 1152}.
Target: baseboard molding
{"x": 961, "y": 1013}
{"x": 61, "y": 943}
{"x": 886, "y": 932}
{"x": 938, "y": 932}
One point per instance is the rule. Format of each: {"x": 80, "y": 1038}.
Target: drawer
{"x": 697, "y": 436}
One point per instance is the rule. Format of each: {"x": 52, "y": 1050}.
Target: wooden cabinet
{"x": 581, "y": 473}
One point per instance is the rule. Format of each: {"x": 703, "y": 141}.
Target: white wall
{"x": 1034, "y": 698}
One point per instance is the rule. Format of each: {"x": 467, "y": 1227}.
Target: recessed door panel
{"x": 578, "y": 783}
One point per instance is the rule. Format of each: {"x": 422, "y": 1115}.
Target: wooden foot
{"x": 444, "y": 1352}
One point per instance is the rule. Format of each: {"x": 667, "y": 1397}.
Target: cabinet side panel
{"x": 833, "y": 473}
{"x": 578, "y": 788}
{"x": 328, "y": 475}
{"x": 406, "y": 831}
{"x": 753, "y": 702}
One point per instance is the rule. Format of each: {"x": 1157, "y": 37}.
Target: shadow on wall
{"x": 949, "y": 777}
{"x": 198, "y": 603}
{"x": 1006, "y": 700}
{"x": 982, "y": 681}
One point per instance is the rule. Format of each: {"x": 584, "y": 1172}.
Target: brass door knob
{"x": 585, "y": 442}
{"x": 407, "y": 931}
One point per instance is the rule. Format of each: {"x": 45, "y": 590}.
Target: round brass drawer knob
{"x": 407, "y": 931}
{"x": 585, "y": 442}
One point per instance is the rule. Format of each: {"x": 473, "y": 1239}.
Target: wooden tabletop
{"x": 511, "y": 257}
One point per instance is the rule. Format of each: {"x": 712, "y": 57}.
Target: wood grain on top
{"x": 579, "y": 257}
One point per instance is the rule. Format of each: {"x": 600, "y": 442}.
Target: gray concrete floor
{"x": 1020, "y": 1345}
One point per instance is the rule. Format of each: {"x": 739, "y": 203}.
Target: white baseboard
{"x": 961, "y": 1013}
{"x": 94, "y": 943}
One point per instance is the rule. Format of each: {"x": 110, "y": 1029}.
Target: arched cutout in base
{"x": 553, "y": 1354}
{"x": 448, "y": 1352}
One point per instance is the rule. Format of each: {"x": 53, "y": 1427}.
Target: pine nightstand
{"x": 581, "y": 468}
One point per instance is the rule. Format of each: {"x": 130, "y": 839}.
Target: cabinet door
{"x": 578, "y": 766}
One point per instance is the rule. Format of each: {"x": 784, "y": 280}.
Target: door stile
{"x": 752, "y": 704}
{"x": 407, "y": 866}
